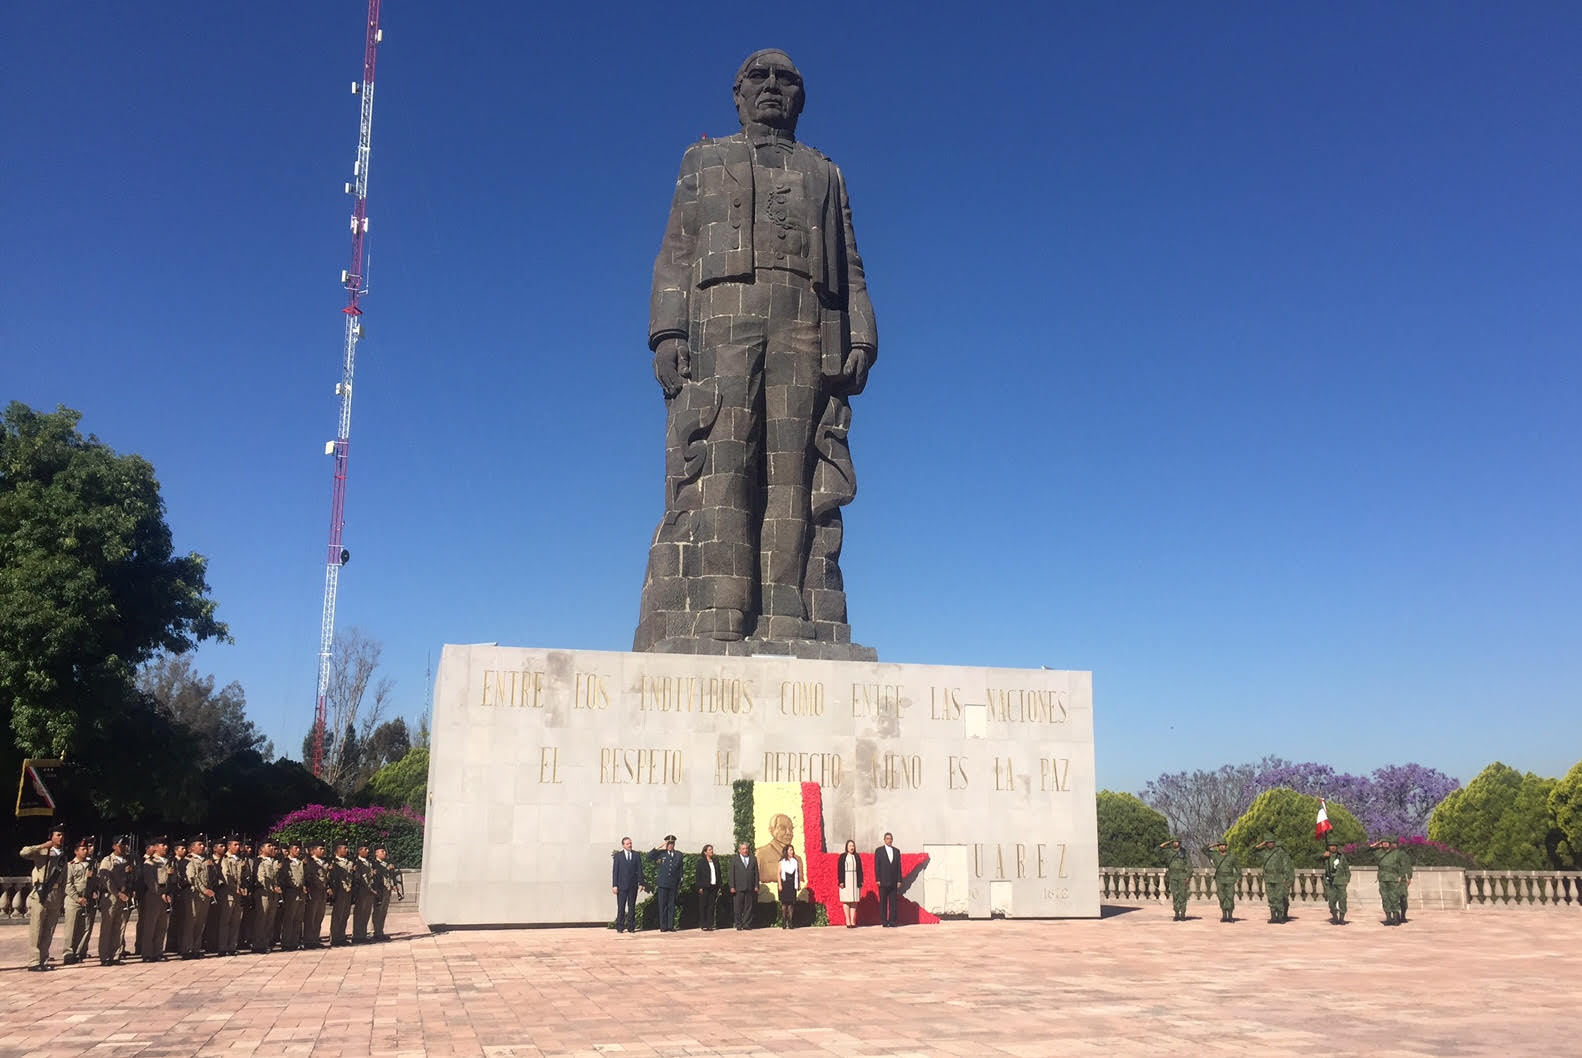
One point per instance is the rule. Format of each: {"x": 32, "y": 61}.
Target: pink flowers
{"x": 345, "y": 816}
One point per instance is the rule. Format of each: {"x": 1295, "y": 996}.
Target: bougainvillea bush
{"x": 400, "y": 831}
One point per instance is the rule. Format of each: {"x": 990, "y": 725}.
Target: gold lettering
{"x": 1061, "y": 872}
{"x": 644, "y": 767}
{"x": 878, "y": 700}
{"x": 1054, "y": 774}
{"x": 1004, "y": 778}
{"x": 512, "y": 688}
{"x": 724, "y": 767}
{"x": 898, "y": 771}
{"x": 801, "y": 699}
{"x": 589, "y": 692}
{"x": 1021, "y": 860}
{"x": 958, "y": 773}
{"x": 944, "y": 703}
{"x": 1039, "y": 848}
{"x": 549, "y": 764}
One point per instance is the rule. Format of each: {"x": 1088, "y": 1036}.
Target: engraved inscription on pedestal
{"x": 542, "y": 760}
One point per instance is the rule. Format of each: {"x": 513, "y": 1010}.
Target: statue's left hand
{"x": 854, "y": 373}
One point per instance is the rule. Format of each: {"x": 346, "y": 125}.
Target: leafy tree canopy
{"x": 218, "y": 719}
{"x": 1502, "y": 818}
{"x": 90, "y": 586}
{"x": 1290, "y": 816}
{"x": 1130, "y": 832}
{"x": 1565, "y": 810}
{"x": 401, "y": 784}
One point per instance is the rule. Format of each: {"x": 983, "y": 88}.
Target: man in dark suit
{"x": 744, "y": 885}
{"x": 666, "y": 881}
{"x": 626, "y": 878}
{"x": 887, "y": 873}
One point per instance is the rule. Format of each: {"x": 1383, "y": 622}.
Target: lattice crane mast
{"x": 355, "y": 281}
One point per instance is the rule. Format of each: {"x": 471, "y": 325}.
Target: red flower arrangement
{"x": 822, "y": 866}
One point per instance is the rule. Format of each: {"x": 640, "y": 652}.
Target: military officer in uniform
{"x": 1227, "y": 872}
{"x": 115, "y": 900}
{"x": 362, "y": 894}
{"x": 49, "y": 893}
{"x": 247, "y": 927}
{"x": 387, "y": 881}
{"x": 340, "y": 892}
{"x": 180, "y": 889}
{"x": 1279, "y": 873}
{"x": 316, "y": 880}
{"x": 1337, "y": 876}
{"x": 201, "y": 880}
{"x": 1390, "y": 878}
{"x": 1403, "y": 861}
{"x": 293, "y": 897}
{"x": 268, "y": 893}
{"x": 1178, "y": 878}
{"x": 82, "y": 901}
{"x": 154, "y": 902}
{"x": 228, "y": 905}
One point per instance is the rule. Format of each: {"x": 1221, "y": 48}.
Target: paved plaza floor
{"x": 1133, "y": 983}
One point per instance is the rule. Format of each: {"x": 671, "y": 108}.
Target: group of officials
{"x": 1279, "y": 876}
{"x": 742, "y": 876}
{"x": 193, "y": 899}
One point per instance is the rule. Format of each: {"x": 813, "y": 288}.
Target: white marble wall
{"x": 543, "y": 759}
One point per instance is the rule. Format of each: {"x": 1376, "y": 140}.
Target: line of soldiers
{"x": 1279, "y": 877}
{"x": 196, "y": 899}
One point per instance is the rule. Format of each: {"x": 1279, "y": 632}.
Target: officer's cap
{"x": 670, "y": 837}
{"x": 57, "y": 828}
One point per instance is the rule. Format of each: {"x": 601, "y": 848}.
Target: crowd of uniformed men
{"x": 197, "y": 898}
{"x": 1279, "y": 876}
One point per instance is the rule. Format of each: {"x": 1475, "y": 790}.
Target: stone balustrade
{"x": 1493, "y": 889}
{"x": 14, "y": 893}
{"x": 1432, "y": 889}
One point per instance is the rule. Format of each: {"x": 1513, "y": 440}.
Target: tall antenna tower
{"x": 355, "y": 281}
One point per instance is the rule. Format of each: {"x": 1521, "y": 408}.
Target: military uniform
{"x": 1337, "y": 876}
{"x": 316, "y": 877}
{"x": 201, "y": 881}
{"x": 82, "y": 907}
{"x": 115, "y": 903}
{"x": 1279, "y": 873}
{"x": 228, "y": 904}
{"x": 1391, "y": 883}
{"x": 268, "y": 892}
{"x": 1178, "y": 879}
{"x": 1227, "y": 872}
{"x": 247, "y": 924}
{"x": 180, "y": 890}
{"x": 1403, "y": 861}
{"x": 293, "y": 902}
{"x": 387, "y": 884}
{"x": 49, "y": 893}
{"x": 340, "y": 893}
{"x": 362, "y": 897}
{"x": 154, "y": 904}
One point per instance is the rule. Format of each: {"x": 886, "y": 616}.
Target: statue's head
{"x": 769, "y": 90}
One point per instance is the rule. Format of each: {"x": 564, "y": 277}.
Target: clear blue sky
{"x": 1229, "y": 351}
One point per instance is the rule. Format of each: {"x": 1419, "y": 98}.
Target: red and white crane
{"x": 355, "y": 281}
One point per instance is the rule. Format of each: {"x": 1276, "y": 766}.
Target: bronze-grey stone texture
{"x": 762, "y": 331}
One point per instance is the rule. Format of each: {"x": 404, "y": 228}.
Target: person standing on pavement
{"x": 848, "y": 869}
{"x": 626, "y": 878}
{"x": 710, "y": 881}
{"x": 1227, "y": 872}
{"x": 82, "y": 901}
{"x": 667, "y": 880}
{"x": 744, "y": 886}
{"x": 887, "y": 875}
{"x": 49, "y": 893}
{"x": 1279, "y": 873}
{"x": 115, "y": 900}
{"x": 1337, "y": 876}
{"x": 1178, "y": 878}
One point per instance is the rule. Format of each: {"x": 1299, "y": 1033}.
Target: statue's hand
{"x": 671, "y": 365}
{"x": 854, "y": 372}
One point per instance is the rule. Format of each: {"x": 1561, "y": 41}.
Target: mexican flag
{"x": 1322, "y": 826}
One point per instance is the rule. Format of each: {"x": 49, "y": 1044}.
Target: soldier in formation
{"x": 1227, "y": 872}
{"x": 1395, "y": 874}
{"x": 1337, "y": 876}
{"x": 1279, "y": 874}
{"x": 215, "y": 900}
{"x": 1178, "y": 878}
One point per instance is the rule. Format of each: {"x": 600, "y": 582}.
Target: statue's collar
{"x": 758, "y": 135}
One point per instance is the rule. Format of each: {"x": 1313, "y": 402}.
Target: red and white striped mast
{"x": 355, "y": 281}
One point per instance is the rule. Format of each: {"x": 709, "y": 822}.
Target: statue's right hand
{"x": 671, "y": 365}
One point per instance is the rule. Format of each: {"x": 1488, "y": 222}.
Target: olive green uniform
{"x": 1337, "y": 876}
{"x": 340, "y": 890}
{"x": 154, "y": 902}
{"x": 1392, "y": 876}
{"x": 362, "y": 897}
{"x": 268, "y": 896}
{"x": 1227, "y": 872}
{"x": 383, "y": 881}
{"x": 293, "y": 902}
{"x": 49, "y": 894}
{"x": 1279, "y": 873}
{"x": 1178, "y": 882}
{"x": 180, "y": 890}
{"x": 201, "y": 880}
{"x": 228, "y": 906}
{"x": 316, "y": 877}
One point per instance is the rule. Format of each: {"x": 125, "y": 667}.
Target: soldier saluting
{"x": 1178, "y": 878}
{"x": 1227, "y": 872}
{"x": 49, "y": 887}
{"x": 1279, "y": 873}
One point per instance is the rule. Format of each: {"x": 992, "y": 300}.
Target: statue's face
{"x": 770, "y": 92}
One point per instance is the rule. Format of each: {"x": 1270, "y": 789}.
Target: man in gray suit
{"x": 744, "y": 885}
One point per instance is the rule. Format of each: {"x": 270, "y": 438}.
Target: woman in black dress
{"x": 709, "y": 882}
{"x": 790, "y": 882}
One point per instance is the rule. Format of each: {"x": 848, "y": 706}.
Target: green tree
{"x": 1565, "y": 813}
{"x": 1291, "y": 815}
{"x": 217, "y": 718}
{"x": 1130, "y": 832}
{"x": 1502, "y": 817}
{"x": 90, "y": 589}
{"x": 400, "y": 784}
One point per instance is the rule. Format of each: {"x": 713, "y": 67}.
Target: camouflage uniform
{"x": 1227, "y": 871}
{"x": 1178, "y": 879}
{"x": 1279, "y": 873}
{"x": 1337, "y": 876}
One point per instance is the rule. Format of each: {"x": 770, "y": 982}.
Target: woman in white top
{"x": 849, "y": 871}
{"x": 790, "y": 879}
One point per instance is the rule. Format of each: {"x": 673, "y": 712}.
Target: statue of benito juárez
{"x": 761, "y": 331}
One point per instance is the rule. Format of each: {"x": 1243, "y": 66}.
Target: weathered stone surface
{"x": 543, "y": 759}
{"x": 762, "y": 331}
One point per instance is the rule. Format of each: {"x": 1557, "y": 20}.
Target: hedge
{"x": 400, "y": 831}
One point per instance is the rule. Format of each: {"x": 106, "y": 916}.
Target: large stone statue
{"x": 761, "y": 331}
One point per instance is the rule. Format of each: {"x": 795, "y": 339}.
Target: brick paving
{"x": 1447, "y": 983}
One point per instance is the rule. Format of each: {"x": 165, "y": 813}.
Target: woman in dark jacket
{"x": 711, "y": 875}
{"x": 849, "y": 873}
